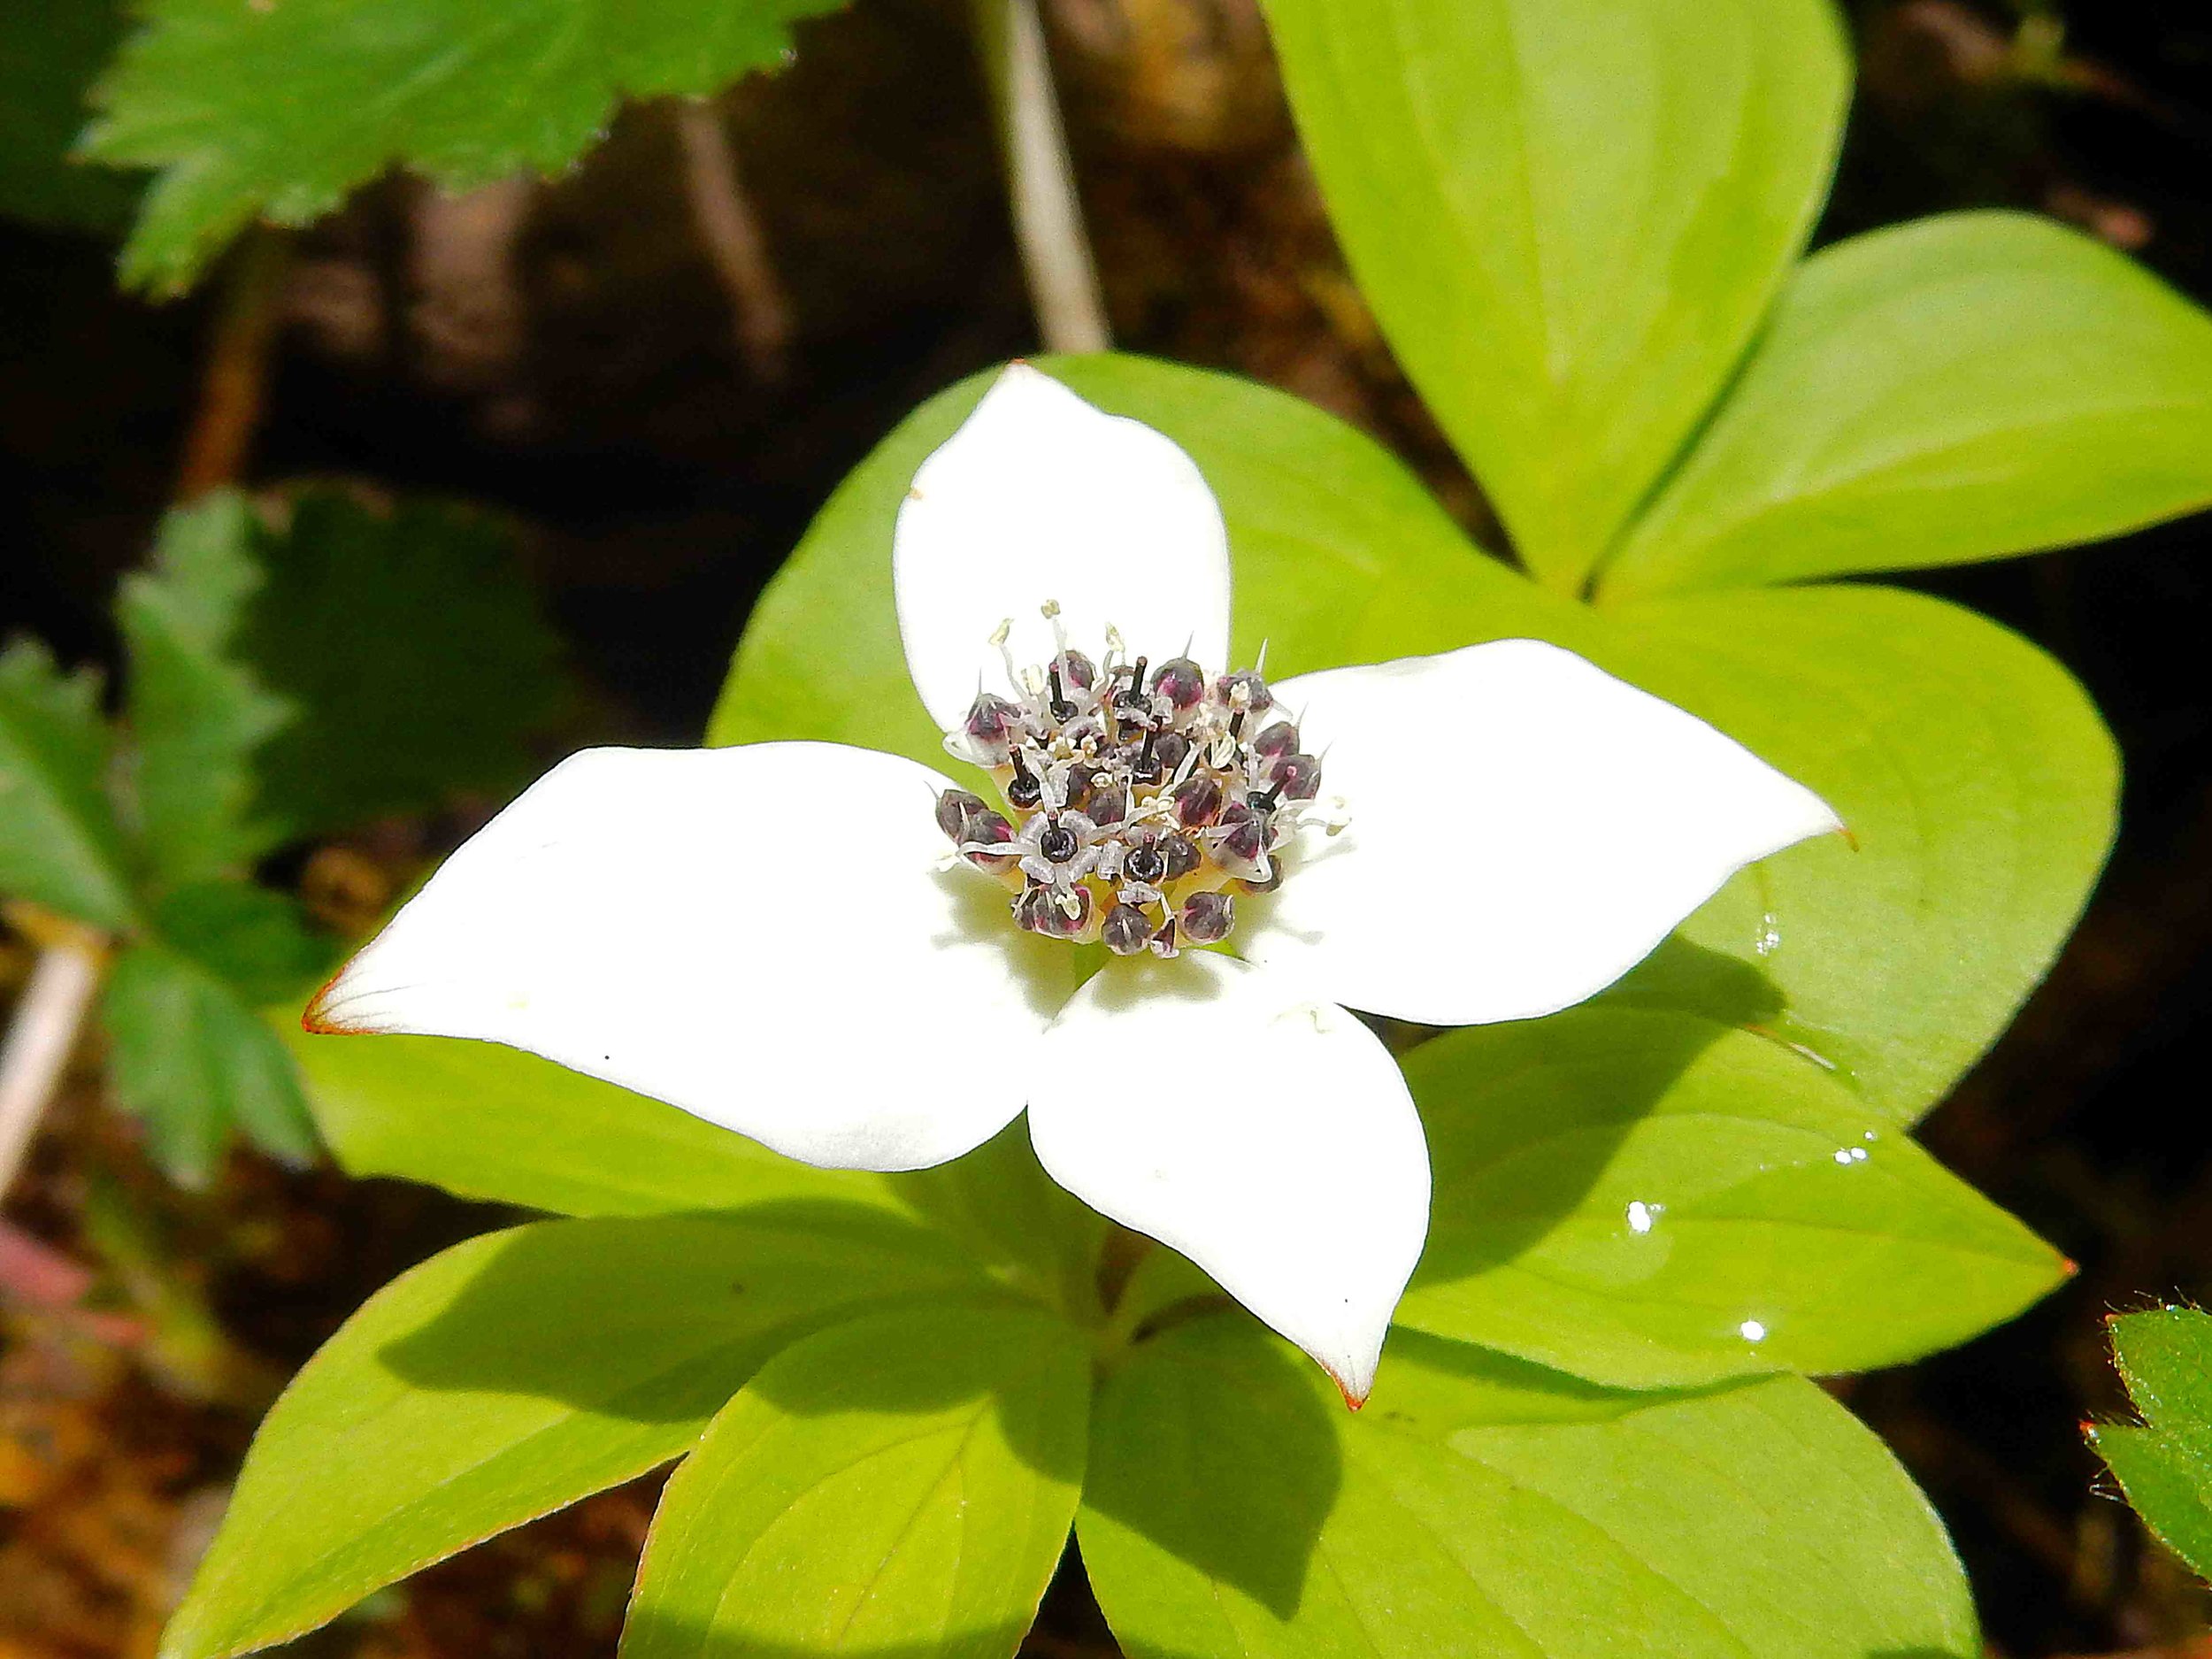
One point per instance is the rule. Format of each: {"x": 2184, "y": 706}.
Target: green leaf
{"x": 1979, "y": 785}
{"x": 1972, "y": 770}
{"x": 1478, "y": 1505}
{"x": 252, "y": 937}
{"x": 277, "y": 111}
{"x": 411, "y": 645}
{"x": 60, "y": 845}
{"x": 514, "y": 1374}
{"x": 1650, "y": 1199}
{"x": 1569, "y": 217}
{"x": 2165, "y": 1357}
{"x": 1959, "y": 388}
{"x": 196, "y": 714}
{"x": 190, "y": 1057}
{"x": 493, "y": 1123}
{"x": 903, "y": 1484}
{"x": 49, "y": 50}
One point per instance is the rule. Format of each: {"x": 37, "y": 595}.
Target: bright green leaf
{"x": 1479, "y": 1505}
{"x": 1651, "y": 1199}
{"x": 277, "y": 111}
{"x": 60, "y": 845}
{"x": 903, "y": 1484}
{"x": 1959, "y": 388}
{"x": 196, "y": 714}
{"x": 2165, "y": 1357}
{"x": 1569, "y": 217}
{"x": 192, "y": 1058}
{"x": 494, "y": 1123}
{"x": 410, "y": 644}
{"x": 49, "y": 50}
{"x": 514, "y": 1374}
{"x": 1972, "y": 770}
{"x": 1979, "y": 785}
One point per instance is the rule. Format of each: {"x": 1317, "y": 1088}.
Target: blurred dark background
{"x": 567, "y": 352}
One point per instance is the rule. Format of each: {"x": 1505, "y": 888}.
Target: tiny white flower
{"x": 863, "y": 964}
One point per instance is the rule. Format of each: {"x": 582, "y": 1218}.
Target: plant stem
{"x": 731, "y": 230}
{"x": 1040, "y": 180}
{"x": 42, "y": 1035}
{"x": 233, "y": 386}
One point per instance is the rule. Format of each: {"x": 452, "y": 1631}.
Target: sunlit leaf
{"x": 277, "y": 111}
{"x": 900, "y": 1484}
{"x": 1234, "y": 1508}
{"x": 1651, "y": 1199}
{"x": 1959, "y": 388}
{"x": 514, "y": 1374}
{"x": 1570, "y": 216}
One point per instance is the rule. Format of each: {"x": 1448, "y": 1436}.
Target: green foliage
{"x": 1569, "y": 217}
{"x": 513, "y": 1374}
{"x": 903, "y": 1483}
{"x": 1958, "y": 388}
{"x": 1479, "y": 1505}
{"x": 49, "y": 50}
{"x": 407, "y": 641}
{"x": 197, "y": 713}
{"x": 277, "y": 111}
{"x": 1651, "y": 1199}
{"x": 279, "y": 683}
{"x": 60, "y": 844}
{"x": 2165, "y": 1465}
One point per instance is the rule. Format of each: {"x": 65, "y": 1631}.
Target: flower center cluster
{"x": 1140, "y": 800}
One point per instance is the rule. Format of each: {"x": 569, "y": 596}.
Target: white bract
{"x": 781, "y": 939}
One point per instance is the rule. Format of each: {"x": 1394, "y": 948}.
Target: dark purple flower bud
{"x": 1245, "y": 690}
{"x": 1208, "y": 918}
{"x": 1107, "y": 807}
{"x": 1243, "y": 834}
{"x": 1126, "y": 930}
{"x": 1058, "y": 844}
{"x": 1038, "y": 909}
{"x": 987, "y": 826}
{"x": 1146, "y": 862}
{"x": 1182, "y": 682}
{"x": 992, "y": 719}
{"x": 953, "y": 809}
{"x": 1076, "y": 669}
{"x": 1168, "y": 749}
{"x": 1298, "y": 776}
{"x": 1181, "y": 855}
{"x": 1197, "y": 801}
{"x": 1277, "y": 740}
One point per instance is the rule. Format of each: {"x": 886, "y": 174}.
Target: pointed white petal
{"x": 1525, "y": 829}
{"x": 1040, "y": 497}
{"x": 1268, "y": 1138}
{"x": 758, "y": 935}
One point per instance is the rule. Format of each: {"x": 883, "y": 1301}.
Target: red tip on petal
{"x": 2068, "y": 1267}
{"x": 1849, "y": 840}
{"x": 1352, "y": 1402}
{"x": 316, "y": 1018}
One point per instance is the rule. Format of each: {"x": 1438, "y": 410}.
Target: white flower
{"x": 779, "y": 937}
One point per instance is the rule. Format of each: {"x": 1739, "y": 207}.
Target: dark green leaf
{"x": 1569, "y": 217}
{"x": 190, "y": 1057}
{"x": 196, "y": 714}
{"x": 252, "y": 937}
{"x": 514, "y": 1374}
{"x": 60, "y": 845}
{"x": 901, "y": 1484}
{"x": 1972, "y": 770}
{"x": 1959, "y": 388}
{"x": 2165, "y": 1358}
{"x": 1651, "y": 1199}
{"x": 409, "y": 643}
{"x": 1479, "y": 1505}
{"x": 49, "y": 50}
{"x": 278, "y": 111}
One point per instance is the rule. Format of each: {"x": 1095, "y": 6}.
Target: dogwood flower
{"x": 864, "y": 963}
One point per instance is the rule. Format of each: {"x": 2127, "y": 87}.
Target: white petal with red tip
{"x": 1269, "y": 1138}
{"x": 759, "y": 935}
{"x": 1524, "y": 829}
{"x": 1040, "y": 497}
